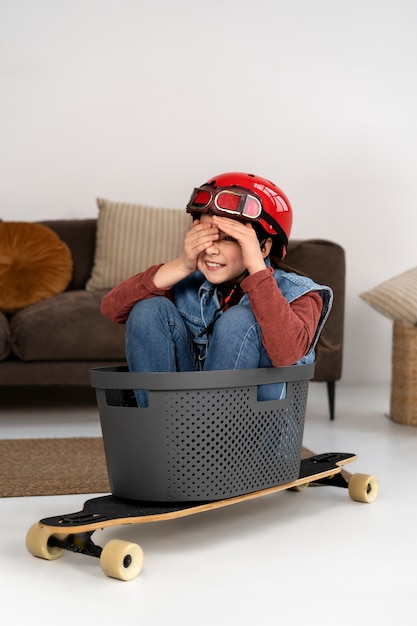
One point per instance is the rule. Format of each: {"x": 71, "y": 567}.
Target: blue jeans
{"x": 158, "y": 340}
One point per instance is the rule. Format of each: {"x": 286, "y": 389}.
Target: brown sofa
{"x": 57, "y": 340}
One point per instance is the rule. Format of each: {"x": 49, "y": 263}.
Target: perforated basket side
{"x": 197, "y": 444}
{"x": 219, "y": 445}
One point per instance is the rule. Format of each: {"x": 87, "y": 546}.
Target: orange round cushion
{"x": 34, "y": 264}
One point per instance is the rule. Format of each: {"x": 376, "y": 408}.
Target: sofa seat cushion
{"x": 68, "y": 326}
{"x": 4, "y": 337}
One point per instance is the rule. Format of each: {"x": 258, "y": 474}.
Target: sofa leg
{"x": 331, "y": 390}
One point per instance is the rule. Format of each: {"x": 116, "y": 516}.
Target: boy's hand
{"x": 198, "y": 238}
{"x": 245, "y": 235}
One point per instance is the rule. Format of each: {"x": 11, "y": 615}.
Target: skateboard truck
{"x": 81, "y": 543}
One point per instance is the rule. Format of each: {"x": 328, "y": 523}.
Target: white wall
{"x": 140, "y": 100}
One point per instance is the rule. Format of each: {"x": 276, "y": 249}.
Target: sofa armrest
{"x": 324, "y": 262}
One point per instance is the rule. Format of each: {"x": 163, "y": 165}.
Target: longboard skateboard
{"x": 123, "y": 560}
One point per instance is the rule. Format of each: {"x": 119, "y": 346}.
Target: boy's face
{"x": 222, "y": 261}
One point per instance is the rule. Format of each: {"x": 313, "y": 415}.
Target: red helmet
{"x": 249, "y": 198}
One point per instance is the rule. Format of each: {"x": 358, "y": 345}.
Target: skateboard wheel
{"x": 121, "y": 559}
{"x": 363, "y": 487}
{"x": 37, "y": 543}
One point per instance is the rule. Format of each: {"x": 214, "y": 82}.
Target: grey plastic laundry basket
{"x": 204, "y": 435}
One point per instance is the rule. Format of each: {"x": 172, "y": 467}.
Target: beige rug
{"x": 44, "y": 467}
{"x": 49, "y": 467}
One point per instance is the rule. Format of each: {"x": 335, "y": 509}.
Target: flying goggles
{"x": 235, "y": 201}
{"x": 225, "y": 201}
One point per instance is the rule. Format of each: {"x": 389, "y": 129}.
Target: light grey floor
{"x": 315, "y": 556}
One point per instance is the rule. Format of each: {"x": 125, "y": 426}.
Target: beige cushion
{"x": 132, "y": 237}
{"x": 34, "y": 264}
{"x": 396, "y": 298}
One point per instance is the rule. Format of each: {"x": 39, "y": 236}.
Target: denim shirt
{"x": 198, "y": 312}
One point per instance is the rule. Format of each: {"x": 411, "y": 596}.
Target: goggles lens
{"x": 200, "y": 198}
{"x": 220, "y": 201}
{"x": 226, "y": 201}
